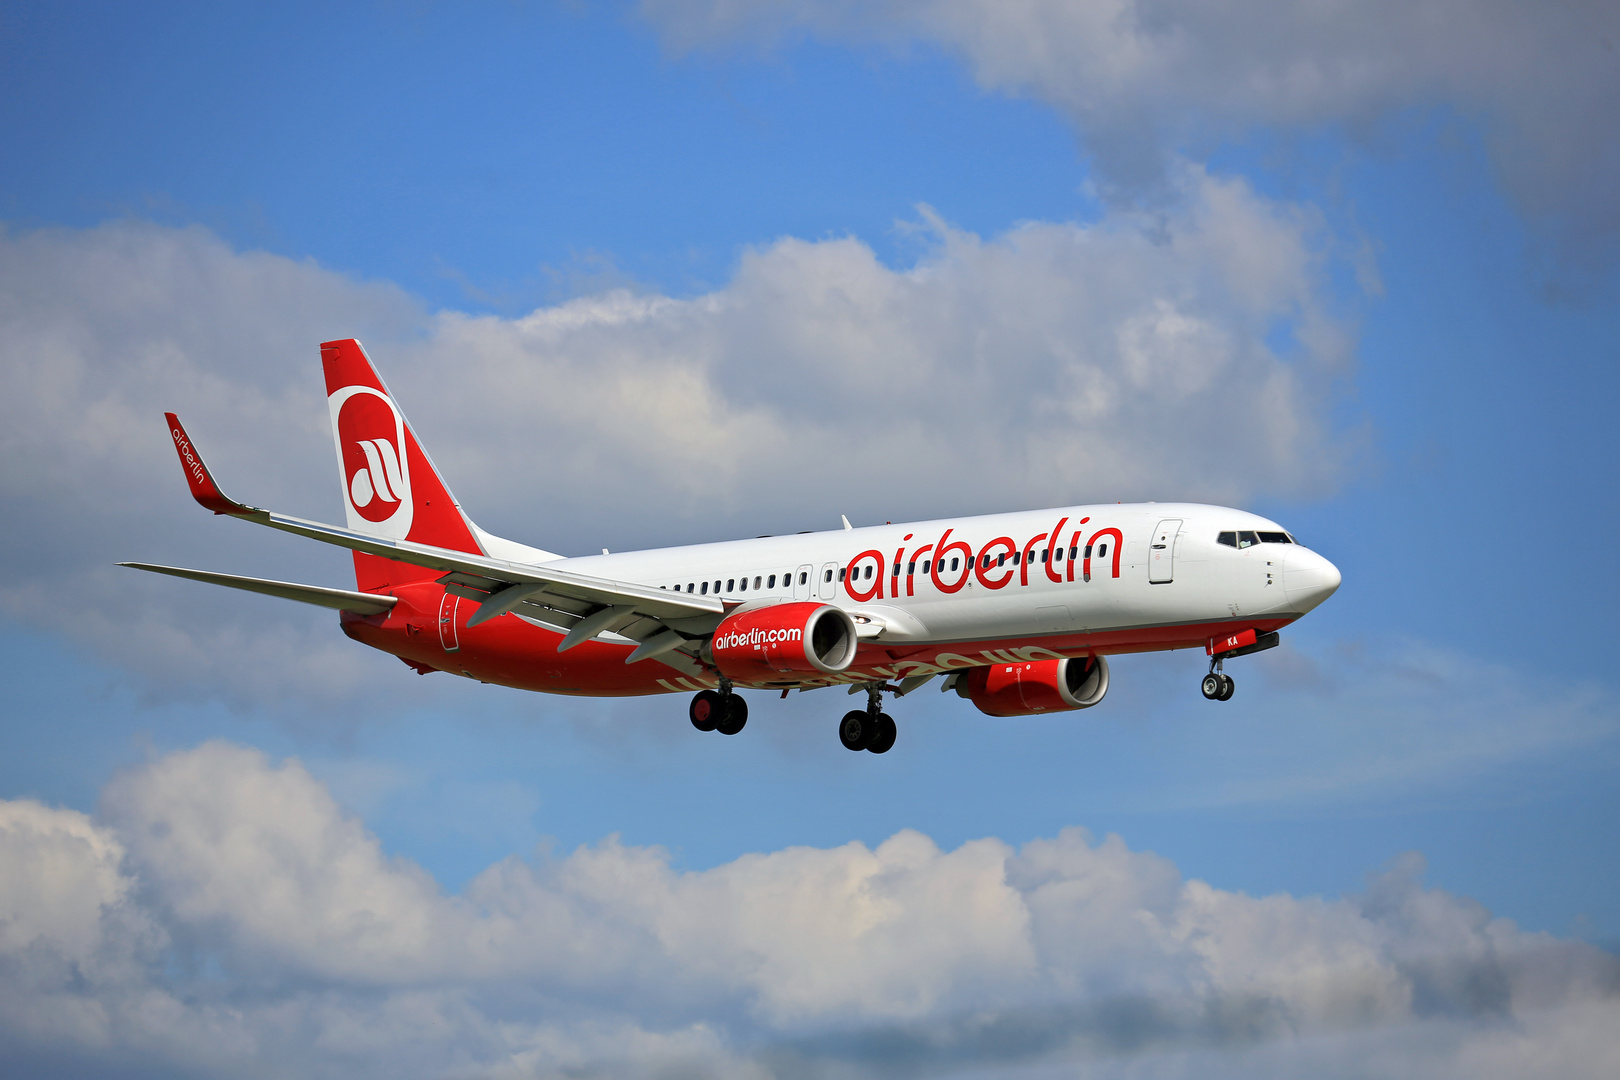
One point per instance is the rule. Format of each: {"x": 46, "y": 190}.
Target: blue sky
{"x": 688, "y": 270}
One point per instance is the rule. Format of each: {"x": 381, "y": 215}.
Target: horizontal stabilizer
{"x": 342, "y": 599}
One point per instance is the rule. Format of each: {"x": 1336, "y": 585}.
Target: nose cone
{"x": 1308, "y": 579}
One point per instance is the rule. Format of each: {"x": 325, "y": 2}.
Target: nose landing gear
{"x": 1218, "y": 686}
{"x": 721, "y": 711}
{"x": 871, "y": 730}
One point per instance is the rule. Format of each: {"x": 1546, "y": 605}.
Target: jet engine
{"x": 784, "y": 639}
{"x": 1036, "y": 686}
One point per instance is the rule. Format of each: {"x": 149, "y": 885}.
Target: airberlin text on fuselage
{"x": 989, "y": 564}
{"x": 735, "y": 640}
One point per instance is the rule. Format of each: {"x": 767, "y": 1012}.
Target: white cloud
{"x": 226, "y": 915}
{"x": 1143, "y": 79}
{"x": 1053, "y": 363}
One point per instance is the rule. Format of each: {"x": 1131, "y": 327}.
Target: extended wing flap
{"x": 341, "y": 599}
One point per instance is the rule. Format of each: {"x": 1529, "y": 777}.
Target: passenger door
{"x": 1162, "y": 552}
{"x": 801, "y": 582}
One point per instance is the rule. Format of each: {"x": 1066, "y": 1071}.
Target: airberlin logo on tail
{"x": 380, "y": 479}
{"x": 376, "y": 470}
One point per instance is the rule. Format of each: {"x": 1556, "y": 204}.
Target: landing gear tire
{"x": 1227, "y": 688}
{"x": 733, "y": 714}
{"x": 1213, "y": 686}
{"x": 883, "y": 738}
{"x": 856, "y": 729}
{"x": 706, "y": 710}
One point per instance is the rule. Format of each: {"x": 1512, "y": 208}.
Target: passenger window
{"x": 1043, "y": 554}
{"x": 1227, "y": 538}
{"x": 1057, "y": 554}
{"x": 911, "y": 567}
{"x": 954, "y": 564}
{"x": 828, "y": 576}
{"x": 689, "y": 586}
{"x": 1000, "y": 558}
{"x": 1247, "y": 539}
{"x": 1075, "y": 550}
{"x": 868, "y": 573}
{"x": 731, "y": 584}
{"x": 842, "y": 571}
{"x": 804, "y": 579}
{"x": 705, "y": 588}
{"x": 1018, "y": 557}
{"x": 927, "y": 565}
{"x": 1102, "y": 551}
{"x": 717, "y": 588}
{"x": 742, "y": 584}
{"x": 773, "y": 581}
{"x": 756, "y": 581}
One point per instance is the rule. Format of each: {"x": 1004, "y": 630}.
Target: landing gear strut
{"x": 873, "y": 729}
{"x": 721, "y": 711}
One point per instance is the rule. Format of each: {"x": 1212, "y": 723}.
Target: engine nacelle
{"x": 784, "y": 639}
{"x": 1036, "y": 686}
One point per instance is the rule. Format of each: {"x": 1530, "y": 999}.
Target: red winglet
{"x": 203, "y": 488}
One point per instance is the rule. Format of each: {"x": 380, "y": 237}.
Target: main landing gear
{"x": 872, "y": 730}
{"x": 1218, "y": 684}
{"x": 869, "y": 729}
{"x": 721, "y": 710}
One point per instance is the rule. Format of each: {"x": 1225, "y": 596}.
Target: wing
{"x": 580, "y": 606}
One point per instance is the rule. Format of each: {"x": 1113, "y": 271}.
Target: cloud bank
{"x": 1054, "y": 363}
{"x": 222, "y": 916}
{"x": 1144, "y": 80}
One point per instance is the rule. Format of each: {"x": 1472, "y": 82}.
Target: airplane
{"x": 1017, "y": 612}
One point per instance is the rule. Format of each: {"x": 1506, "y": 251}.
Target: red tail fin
{"x": 390, "y": 487}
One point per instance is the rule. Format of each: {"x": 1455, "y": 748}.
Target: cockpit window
{"x": 1247, "y": 539}
{"x": 1227, "y": 538}
{"x": 1274, "y": 538}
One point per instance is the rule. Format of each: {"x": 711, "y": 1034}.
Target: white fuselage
{"x": 1200, "y": 579}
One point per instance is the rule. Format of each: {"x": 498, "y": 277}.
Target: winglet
{"x": 203, "y": 488}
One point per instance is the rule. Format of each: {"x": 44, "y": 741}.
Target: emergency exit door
{"x": 1162, "y": 552}
{"x": 449, "y": 640}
